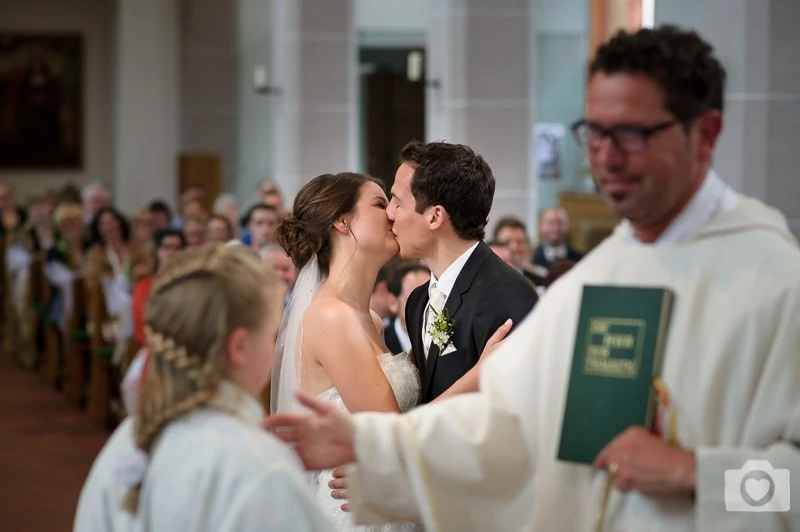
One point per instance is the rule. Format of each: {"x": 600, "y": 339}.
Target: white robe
{"x": 487, "y": 461}
{"x": 211, "y": 471}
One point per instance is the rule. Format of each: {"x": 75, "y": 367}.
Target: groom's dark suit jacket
{"x": 486, "y": 293}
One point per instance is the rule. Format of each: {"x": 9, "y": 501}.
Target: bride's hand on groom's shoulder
{"x": 323, "y": 438}
{"x": 496, "y": 340}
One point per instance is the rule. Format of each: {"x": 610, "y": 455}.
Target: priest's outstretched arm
{"x": 460, "y": 464}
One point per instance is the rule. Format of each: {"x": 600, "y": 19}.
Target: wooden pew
{"x": 77, "y": 348}
{"x": 101, "y": 383}
{"x": 4, "y": 293}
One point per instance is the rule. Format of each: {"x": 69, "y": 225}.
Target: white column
{"x": 481, "y": 62}
{"x": 146, "y": 123}
{"x": 315, "y": 117}
{"x": 757, "y": 43}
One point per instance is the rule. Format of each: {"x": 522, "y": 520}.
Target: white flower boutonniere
{"x": 441, "y": 329}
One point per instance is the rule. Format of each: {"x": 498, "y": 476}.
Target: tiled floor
{"x": 46, "y": 450}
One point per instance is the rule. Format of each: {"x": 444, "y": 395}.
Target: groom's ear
{"x": 437, "y": 216}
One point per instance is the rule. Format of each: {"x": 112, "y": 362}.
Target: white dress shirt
{"x": 448, "y": 279}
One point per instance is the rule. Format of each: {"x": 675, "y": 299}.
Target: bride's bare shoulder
{"x": 330, "y": 312}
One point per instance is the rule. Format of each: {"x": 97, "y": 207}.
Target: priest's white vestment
{"x": 487, "y": 461}
{"x": 211, "y": 471}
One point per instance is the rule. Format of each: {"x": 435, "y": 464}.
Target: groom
{"x": 441, "y": 198}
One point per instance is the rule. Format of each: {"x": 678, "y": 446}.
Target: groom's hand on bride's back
{"x": 323, "y": 437}
{"x": 338, "y": 487}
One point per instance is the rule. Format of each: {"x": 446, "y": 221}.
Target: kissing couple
{"x": 341, "y": 231}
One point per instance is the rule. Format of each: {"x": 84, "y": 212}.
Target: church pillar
{"x": 757, "y": 42}
{"x": 480, "y": 75}
{"x": 146, "y": 121}
{"x": 315, "y": 113}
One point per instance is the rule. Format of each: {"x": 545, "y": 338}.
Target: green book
{"x": 619, "y": 345}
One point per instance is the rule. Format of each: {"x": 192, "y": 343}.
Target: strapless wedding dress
{"x": 403, "y": 377}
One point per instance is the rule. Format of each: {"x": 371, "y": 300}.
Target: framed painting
{"x": 41, "y": 101}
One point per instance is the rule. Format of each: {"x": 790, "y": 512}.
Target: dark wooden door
{"x": 395, "y": 115}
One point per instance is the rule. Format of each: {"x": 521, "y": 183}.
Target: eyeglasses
{"x": 628, "y": 138}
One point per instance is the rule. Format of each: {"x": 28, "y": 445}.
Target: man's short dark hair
{"x": 166, "y": 233}
{"x": 395, "y": 283}
{"x": 682, "y": 63}
{"x": 159, "y": 206}
{"x": 455, "y": 177}
{"x": 509, "y": 221}
{"x": 254, "y": 208}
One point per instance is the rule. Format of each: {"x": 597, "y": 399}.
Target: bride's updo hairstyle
{"x": 319, "y": 204}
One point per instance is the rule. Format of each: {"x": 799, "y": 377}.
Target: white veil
{"x": 286, "y": 369}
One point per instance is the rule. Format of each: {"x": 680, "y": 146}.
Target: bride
{"x": 330, "y": 344}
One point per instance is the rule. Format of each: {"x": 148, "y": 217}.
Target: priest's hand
{"x": 323, "y": 438}
{"x": 338, "y": 487}
{"x": 637, "y": 460}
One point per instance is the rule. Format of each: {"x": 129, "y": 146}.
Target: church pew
{"x": 3, "y": 289}
{"x": 77, "y": 348}
{"x": 51, "y": 365}
{"x": 104, "y": 379}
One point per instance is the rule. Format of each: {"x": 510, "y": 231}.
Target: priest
{"x": 729, "y": 410}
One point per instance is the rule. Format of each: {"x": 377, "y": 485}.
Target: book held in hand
{"x": 619, "y": 344}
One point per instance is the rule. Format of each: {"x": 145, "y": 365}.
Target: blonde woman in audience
{"x": 194, "y": 457}
{"x": 69, "y": 249}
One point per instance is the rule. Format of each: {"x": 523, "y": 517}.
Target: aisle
{"x": 46, "y": 450}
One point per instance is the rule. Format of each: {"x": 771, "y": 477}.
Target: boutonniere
{"x": 441, "y": 329}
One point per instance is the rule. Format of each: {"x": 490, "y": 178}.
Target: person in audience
{"x": 269, "y": 194}
{"x": 161, "y": 215}
{"x": 219, "y": 229}
{"x": 225, "y": 206}
{"x": 729, "y": 387}
{"x": 196, "y": 433}
{"x": 194, "y": 229}
{"x": 382, "y": 302}
{"x": 556, "y": 271}
{"x": 261, "y": 221}
{"x": 512, "y": 232}
{"x": 168, "y": 244}
{"x": 502, "y": 250}
{"x": 94, "y": 197}
{"x": 553, "y": 226}
{"x": 275, "y": 255}
{"x": 41, "y": 229}
{"x": 70, "y": 193}
{"x": 142, "y": 228}
{"x": 69, "y": 249}
{"x": 406, "y": 276}
{"x": 193, "y": 208}
{"x": 113, "y": 254}
{"x": 13, "y": 216}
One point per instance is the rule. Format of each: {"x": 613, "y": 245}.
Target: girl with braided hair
{"x": 194, "y": 456}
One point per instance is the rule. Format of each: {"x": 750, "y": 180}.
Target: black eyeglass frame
{"x": 644, "y": 132}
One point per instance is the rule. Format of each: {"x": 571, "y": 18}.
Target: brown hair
{"x": 226, "y": 285}
{"x": 318, "y": 205}
{"x": 455, "y": 177}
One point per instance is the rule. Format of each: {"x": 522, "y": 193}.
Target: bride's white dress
{"x": 403, "y": 377}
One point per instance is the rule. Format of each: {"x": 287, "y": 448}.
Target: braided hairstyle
{"x": 204, "y": 294}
